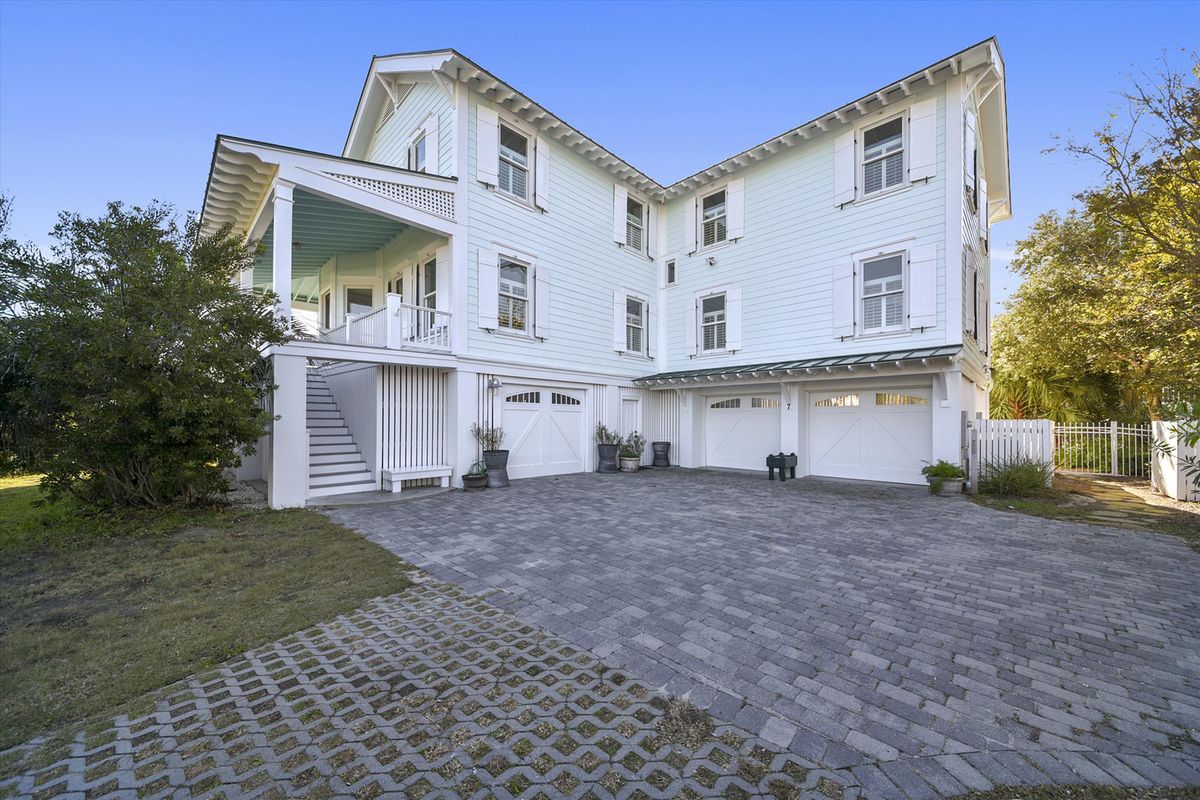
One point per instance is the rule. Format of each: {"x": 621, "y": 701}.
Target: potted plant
{"x": 944, "y": 478}
{"x": 607, "y": 444}
{"x": 490, "y": 439}
{"x": 631, "y": 452}
{"x": 475, "y": 477}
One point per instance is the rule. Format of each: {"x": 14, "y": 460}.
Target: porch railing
{"x": 396, "y": 325}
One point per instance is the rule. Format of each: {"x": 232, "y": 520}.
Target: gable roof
{"x": 449, "y": 65}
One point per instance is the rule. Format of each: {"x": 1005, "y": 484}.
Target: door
{"x": 877, "y": 434}
{"x": 739, "y": 432}
{"x": 543, "y": 429}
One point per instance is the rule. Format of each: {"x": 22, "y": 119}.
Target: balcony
{"x": 395, "y": 325}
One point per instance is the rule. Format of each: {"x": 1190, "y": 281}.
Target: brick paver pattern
{"x": 429, "y": 693}
{"x": 923, "y": 646}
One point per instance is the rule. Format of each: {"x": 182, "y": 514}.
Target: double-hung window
{"x": 712, "y": 323}
{"x": 635, "y": 225}
{"x": 883, "y": 294}
{"x": 513, "y": 311}
{"x": 513, "y": 173}
{"x": 416, "y": 154}
{"x": 712, "y": 219}
{"x": 883, "y": 156}
{"x": 635, "y": 325}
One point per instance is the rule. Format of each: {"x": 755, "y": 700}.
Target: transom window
{"x": 838, "y": 401}
{"x": 883, "y": 156}
{"x": 416, "y": 154}
{"x": 883, "y": 294}
{"x": 513, "y": 311}
{"x": 635, "y": 325}
{"x": 559, "y": 399}
{"x": 712, "y": 322}
{"x": 712, "y": 218}
{"x": 635, "y": 225}
{"x": 513, "y": 173}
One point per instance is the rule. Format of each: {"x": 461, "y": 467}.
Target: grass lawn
{"x": 1083, "y": 793}
{"x": 99, "y": 610}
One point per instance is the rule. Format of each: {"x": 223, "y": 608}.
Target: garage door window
{"x": 898, "y": 399}
{"x": 735, "y": 402}
{"x": 524, "y": 397}
{"x": 840, "y": 401}
{"x": 764, "y": 402}
{"x": 563, "y": 399}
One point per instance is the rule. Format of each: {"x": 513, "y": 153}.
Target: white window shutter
{"x": 620, "y": 198}
{"x": 487, "y": 145}
{"x": 843, "y": 299}
{"x": 843, "y": 169}
{"x": 922, "y": 281}
{"x": 691, "y": 325}
{"x": 735, "y": 208}
{"x": 652, "y": 230}
{"x": 618, "y": 329}
{"x": 651, "y": 334}
{"x": 541, "y": 174}
{"x": 541, "y": 302}
{"x": 986, "y": 328}
{"x": 972, "y": 304}
{"x": 489, "y": 289}
{"x": 433, "y": 164}
{"x": 442, "y": 287}
{"x": 689, "y": 226}
{"x": 983, "y": 209}
{"x": 922, "y": 140}
{"x": 733, "y": 319}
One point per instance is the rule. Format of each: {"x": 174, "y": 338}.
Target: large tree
{"x": 1110, "y": 296}
{"x": 131, "y": 372}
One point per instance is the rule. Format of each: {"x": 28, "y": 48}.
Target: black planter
{"x": 473, "y": 483}
{"x": 661, "y": 451}
{"x": 608, "y": 458}
{"x": 497, "y": 468}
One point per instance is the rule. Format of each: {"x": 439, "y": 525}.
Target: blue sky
{"x": 103, "y": 101}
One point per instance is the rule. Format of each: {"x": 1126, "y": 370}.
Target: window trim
{"x": 700, "y": 198}
{"x": 861, "y": 297}
{"x": 419, "y": 138}
{"x": 645, "y": 328}
{"x": 643, "y": 224}
{"x": 723, "y": 293}
{"x": 860, "y": 138}
{"x": 346, "y": 286}
{"x": 327, "y": 308}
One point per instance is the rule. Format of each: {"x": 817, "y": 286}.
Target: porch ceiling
{"x": 322, "y": 229}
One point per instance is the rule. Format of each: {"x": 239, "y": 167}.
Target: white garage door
{"x": 543, "y": 430}
{"x": 879, "y": 435}
{"x": 739, "y": 432}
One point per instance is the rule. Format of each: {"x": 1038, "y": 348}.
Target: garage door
{"x": 880, "y": 435}
{"x": 740, "y": 431}
{"x": 543, "y": 430}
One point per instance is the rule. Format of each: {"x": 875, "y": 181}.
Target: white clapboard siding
{"x": 389, "y": 144}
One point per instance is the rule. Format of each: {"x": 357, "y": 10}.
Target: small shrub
{"x": 633, "y": 446}
{"x": 1021, "y": 477}
{"x": 488, "y": 437}
{"x": 478, "y": 467}
{"x": 941, "y": 472}
{"x": 604, "y": 435}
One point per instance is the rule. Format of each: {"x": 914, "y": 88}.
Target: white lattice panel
{"x": 433, "y": 201}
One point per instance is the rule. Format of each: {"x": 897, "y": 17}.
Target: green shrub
{"x": 941, "y": 472}
{"x": 1020, "y": 477}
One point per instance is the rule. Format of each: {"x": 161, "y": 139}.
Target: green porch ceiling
{"x": 322, "y": 229}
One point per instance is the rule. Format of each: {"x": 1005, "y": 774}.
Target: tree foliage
{"x": 131, "y": 372}
{"x": 1107, "y": 318}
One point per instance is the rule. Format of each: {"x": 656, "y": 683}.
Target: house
{"x": 471, "y": 257}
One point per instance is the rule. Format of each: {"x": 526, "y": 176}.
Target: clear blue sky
{"x": 103, "y": 101}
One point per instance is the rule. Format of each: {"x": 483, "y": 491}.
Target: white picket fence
{"x": 1104, "y": 449}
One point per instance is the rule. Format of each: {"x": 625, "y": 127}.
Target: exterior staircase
{"x": 335, "y": 465}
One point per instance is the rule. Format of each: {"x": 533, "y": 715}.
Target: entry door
{"x": 631, "y": 415}
{"x": 739, "y": 432}
{"x": 877, "y": 434}
{"x": 543, "y": 429}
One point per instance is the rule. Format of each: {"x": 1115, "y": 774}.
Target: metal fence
{"x": 1103, "y": 449}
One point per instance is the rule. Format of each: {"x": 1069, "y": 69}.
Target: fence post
{"x": 1112, "y": 447}
{"x": 973, "y": 455}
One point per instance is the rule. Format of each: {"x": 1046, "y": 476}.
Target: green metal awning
{"x": 777, "y": 369}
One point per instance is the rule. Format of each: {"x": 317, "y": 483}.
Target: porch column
{"x": 462, "y": 409}
{"x": 281, "y": 252}
{"x": 691, "y": 429}
{"x": 287, "y": 478}
{"x": 789, "y": 421}
{"x": 947, "y": 416}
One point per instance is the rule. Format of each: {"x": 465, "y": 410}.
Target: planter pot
{"x": 630, "y": 464}
{"x": 950, "y": 486}
{"x": 662, "y": 452}
{"x": 473, "y": 483}
{"x": 497, "y": 468}
{"x": 608, "y": 457}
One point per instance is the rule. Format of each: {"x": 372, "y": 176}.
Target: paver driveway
{"x": 927, "y": 645}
